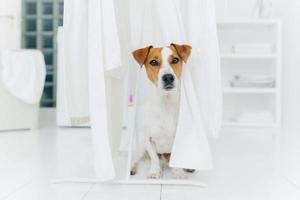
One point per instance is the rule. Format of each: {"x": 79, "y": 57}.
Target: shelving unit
{"x": 241, "y": 100}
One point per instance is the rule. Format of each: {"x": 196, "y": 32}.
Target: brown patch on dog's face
{"x": 140, "y": 55}
{"x": 184, "y": 50}
{"x": 175, "y": 62}
{"x": 151, "y": 58}
{"x": 153, "y": 64}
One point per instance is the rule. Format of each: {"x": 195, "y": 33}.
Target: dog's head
{"x": 164, "y": 64}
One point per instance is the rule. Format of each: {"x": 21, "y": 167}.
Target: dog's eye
{"x": 175, "y": 60}
{"x": 153, "y": 63}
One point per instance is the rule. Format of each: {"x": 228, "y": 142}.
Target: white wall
{"x": 289, "y": 12}
{"x": 10, "y": 24}
{"x": 234, "y": 9}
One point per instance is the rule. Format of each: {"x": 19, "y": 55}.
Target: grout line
{"x": 18, "y": 189}
{"x": 290, "y": 181}
{"x": 88, "y": 191}
{"x": 160, "y": 194}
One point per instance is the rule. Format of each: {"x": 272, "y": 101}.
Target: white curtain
{"x": 160, "y": 23}
{"x": 76, "y": 61}
{"x": 91, "y": 49}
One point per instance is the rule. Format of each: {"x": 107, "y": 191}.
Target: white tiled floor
{"x": 245, "y": 168}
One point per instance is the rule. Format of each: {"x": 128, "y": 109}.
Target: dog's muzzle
{"x": 168, "y": 81}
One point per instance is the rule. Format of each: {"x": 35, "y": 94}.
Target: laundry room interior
{"x": 73, "y": 88}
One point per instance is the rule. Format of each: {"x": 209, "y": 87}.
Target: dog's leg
{"x": 133, "y": 168}
{"x": 179, "y": 173}
{"x": 189, "y": 170}
{"x": 155, "y": 171}
{"x": 164, "y": 160}
{"x": 136, "y": 157}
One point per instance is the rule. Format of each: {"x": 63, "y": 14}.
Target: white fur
{"x": 158, "y": 123}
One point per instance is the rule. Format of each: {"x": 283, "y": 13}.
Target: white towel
{"x": 252, "y": 81}
{"x": 91, "y": 48}
{"x": 200, "y": 24}
{"x": 191, "y": 148}
{"x": 76, "y": 49}
{"x": 76, "y": 60}
{"x": 23, "y": 74}
{"x": 102, "y": 27}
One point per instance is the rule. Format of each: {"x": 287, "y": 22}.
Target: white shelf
{"x": 249, "y": 56}
{"x": 249, "y": 90}
{"x": 248, "y": 23}
{"x": 242, "y": 124}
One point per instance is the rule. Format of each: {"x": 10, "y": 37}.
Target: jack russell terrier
{"x": 160, "y": 111}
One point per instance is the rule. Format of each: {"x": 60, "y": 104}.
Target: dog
{"x": 157, "y": 128}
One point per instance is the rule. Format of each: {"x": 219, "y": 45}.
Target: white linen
{"x": 103, "y": 56}
{"x": 206, "y": 74}
{"x": 76, "y": 60}
{"x": 23, "y": 74}
{"x": 76, "y": 49}
{"x": 62, "y": 115}
{"x": 91, "y": 49}
{"x": 252, "y": 81}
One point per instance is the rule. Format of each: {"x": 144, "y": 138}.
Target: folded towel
{"x": 23, "y": 74}
{"x": 260, "y": 117}
{"x": 253, "y": 48}
{"x": 252, "y": 81}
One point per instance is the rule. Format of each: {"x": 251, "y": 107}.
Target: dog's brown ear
{"x": 184, "y": 51}
{"x": 140, "y": 55}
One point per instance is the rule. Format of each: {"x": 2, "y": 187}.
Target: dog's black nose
{"x": 168, "y": 78}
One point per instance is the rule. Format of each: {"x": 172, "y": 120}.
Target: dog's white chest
{"x": 162, "y": 124}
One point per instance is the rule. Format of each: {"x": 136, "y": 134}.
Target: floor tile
{"x": 124, "y": 192}
{"x": 71, "y": 191}
{"x": 246, "y": 167}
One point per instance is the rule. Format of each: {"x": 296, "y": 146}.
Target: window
{"x": 41, "y": 19}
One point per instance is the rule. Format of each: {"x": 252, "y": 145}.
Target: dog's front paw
{"x": 189, "y": 170}
{"x": 179, "y": 173}
{"x": 154, "y": 173}
{"x": 133, "y": 169}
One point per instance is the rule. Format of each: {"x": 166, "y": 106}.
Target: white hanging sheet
{"x": 161, "y": 23}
